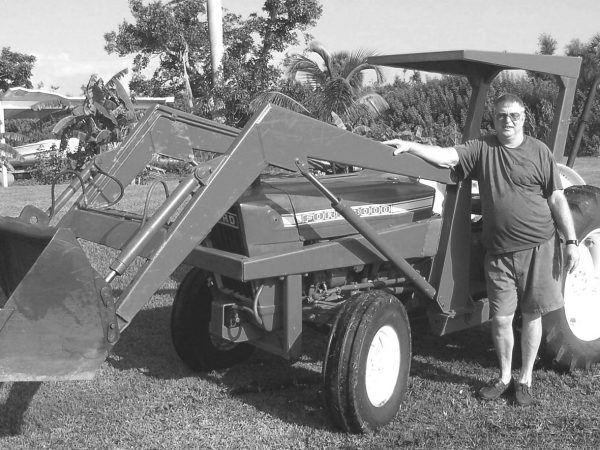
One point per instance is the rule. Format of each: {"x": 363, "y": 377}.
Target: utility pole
{"x": 215, "y": 33}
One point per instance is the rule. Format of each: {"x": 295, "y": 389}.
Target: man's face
{"x": 509, "y": 119}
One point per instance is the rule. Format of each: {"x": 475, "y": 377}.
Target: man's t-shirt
{"x": 514, "y": 184}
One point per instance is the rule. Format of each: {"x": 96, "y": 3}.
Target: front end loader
{"x": 354, "y": 255}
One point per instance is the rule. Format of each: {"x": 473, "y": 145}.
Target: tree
{"x": 248, "y": 64}
{"x": 337, "y": 79}
{"x": 176, "y": 35}
{"x": 546, "y": 44}
{"x": 585, "y": 102}
{"x": 590, "y": 54}
{"x": 171, "y": 33}
{"x": 15, "y": 69}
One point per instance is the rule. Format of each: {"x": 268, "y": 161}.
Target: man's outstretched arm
{"x": 440, "y": 156}
{"x": 562, "y": 216}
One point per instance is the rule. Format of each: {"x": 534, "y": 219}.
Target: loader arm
{"x": 161, "y": 131}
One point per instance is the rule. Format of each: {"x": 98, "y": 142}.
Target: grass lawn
{"x": 589, "y": 169}
{"x": 143, "y": 396}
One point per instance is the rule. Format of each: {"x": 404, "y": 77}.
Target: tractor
{"x": 354, "y": 255}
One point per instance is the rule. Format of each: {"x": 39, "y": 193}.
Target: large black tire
{"x": 366, "y": 367}
{"x": 190, "y": 319}
{"x": 572, "y": 334}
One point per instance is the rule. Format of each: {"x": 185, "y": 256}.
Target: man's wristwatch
{"x": 574, "y": 242}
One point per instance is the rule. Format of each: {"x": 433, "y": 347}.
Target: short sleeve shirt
{"x": 514, "y": 185}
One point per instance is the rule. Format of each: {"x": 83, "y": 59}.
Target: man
{"x": 522, "y": 204}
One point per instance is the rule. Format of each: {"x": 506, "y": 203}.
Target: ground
{"x": 143, "y": 396}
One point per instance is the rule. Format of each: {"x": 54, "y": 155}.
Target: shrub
{"x": 48, "y": 167}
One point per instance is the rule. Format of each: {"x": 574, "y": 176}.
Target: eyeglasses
{"x": 514, "y": 116}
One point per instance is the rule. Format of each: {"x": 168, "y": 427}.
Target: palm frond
{"x": 306, "y": 68}
{"x": 360, "y": 68}
{"x": 78, "y": 111}
{"x": 103, "y": 137}
{"x": 111, "y": 105}
{"x": 62, "y": 124}
{"x": 361, "y": 129}
{"x": 89, "y": 89}
{"x": 368, "y": 106}
{"x": 117, "y": 76}
{"x": 123, "y": 96}
{"x": 337, "y": 121}
{"x": 319, "y": 49}
{"x": 374, "y": 102}
{"x": 279, "y": 99}
{"x": 105, "y": 113}
{"x": 357, "y": 112}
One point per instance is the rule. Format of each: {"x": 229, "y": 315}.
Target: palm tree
{"x": 337, "y": 80}
{"x": 546, "y": 44}
{"x": 590, "y": 54}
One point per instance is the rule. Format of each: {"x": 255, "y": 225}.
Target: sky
{"x": 66, "y": 36}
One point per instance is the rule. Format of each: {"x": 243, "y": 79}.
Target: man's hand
{"x": 571, "y": 257}
{"x": 401, "y": 146}
{"x": 562, "y": 216}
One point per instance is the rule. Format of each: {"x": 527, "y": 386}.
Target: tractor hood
{"x": 288, "y": 208}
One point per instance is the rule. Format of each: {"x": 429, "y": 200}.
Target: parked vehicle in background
{"x": 27, "y": 155}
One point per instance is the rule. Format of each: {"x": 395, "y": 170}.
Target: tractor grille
{"x": 227, "y": 235}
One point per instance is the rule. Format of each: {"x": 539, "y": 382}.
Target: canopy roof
{"x": 466, "y": 62}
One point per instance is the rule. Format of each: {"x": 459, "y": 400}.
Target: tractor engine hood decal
{"x": 372, "y": 210}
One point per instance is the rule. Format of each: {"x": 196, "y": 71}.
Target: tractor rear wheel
{"x": 367, "y": 362}
{"x": 190, "y": 320}
{"x": 571, "y": 334}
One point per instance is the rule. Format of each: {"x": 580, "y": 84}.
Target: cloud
{"x": 60, "y": 69}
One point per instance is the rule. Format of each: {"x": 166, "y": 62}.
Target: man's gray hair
{"x": 508, "y": 98}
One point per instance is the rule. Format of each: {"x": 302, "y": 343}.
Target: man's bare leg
{"x": 502, "y": 335}
{"x": 531, "y": 337}
{"x": 504, "y": 341}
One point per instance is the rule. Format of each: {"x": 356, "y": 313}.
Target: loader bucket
{"x": 57, "y": 316}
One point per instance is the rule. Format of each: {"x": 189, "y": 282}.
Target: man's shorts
{"x": 531, "y": 278}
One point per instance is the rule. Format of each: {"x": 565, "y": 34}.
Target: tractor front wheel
{"x": 190, "y": 332}
{"x": 571, "y": 334}
{"x": 367, "y": 362}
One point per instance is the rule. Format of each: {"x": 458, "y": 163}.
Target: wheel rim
{"x": 582, "y": 290}
{"x": 569, "y": 177}
{"x": 383, "y": 365}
